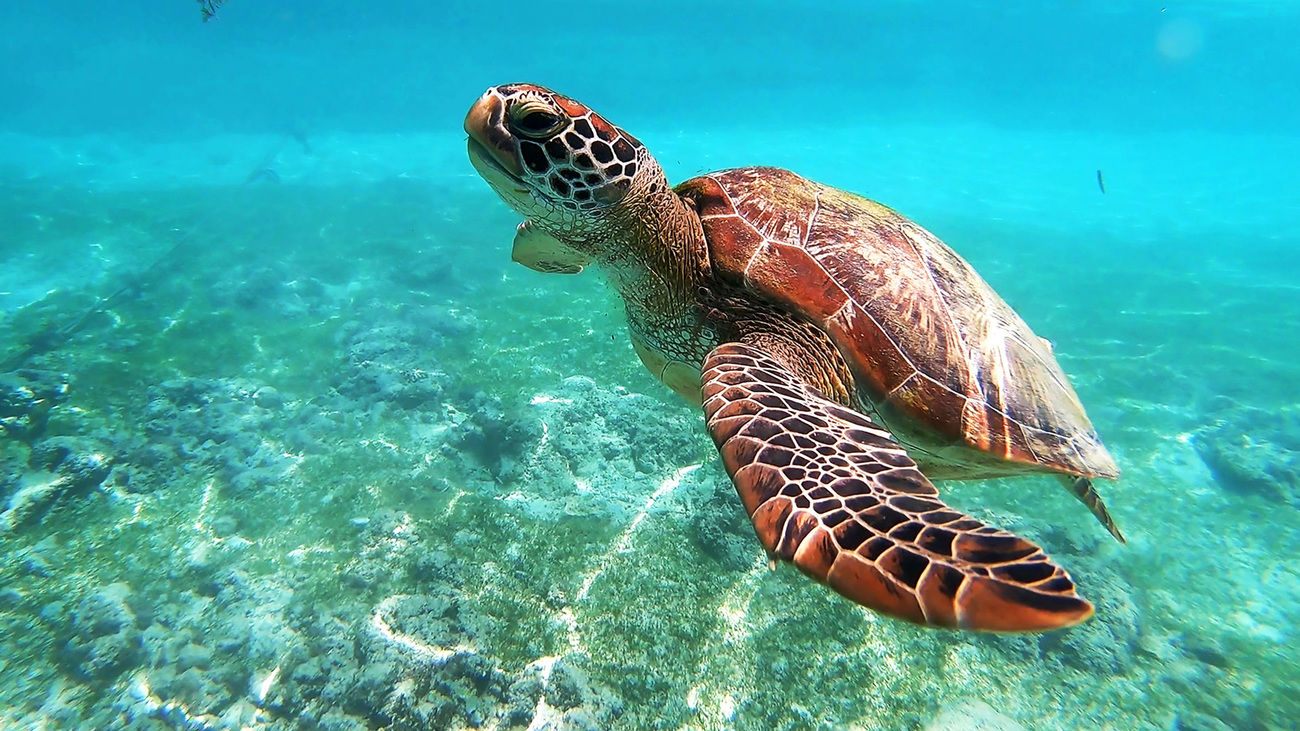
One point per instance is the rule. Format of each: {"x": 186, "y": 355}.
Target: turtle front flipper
{"x": 541, "y": 252}
{"x": 831, "y": 491}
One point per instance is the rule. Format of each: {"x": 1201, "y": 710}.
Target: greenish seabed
{"x": 340, "y": 465}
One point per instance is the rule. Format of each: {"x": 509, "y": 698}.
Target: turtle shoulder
{"x": 927, "y": 338}
{"x": 756, "y": 222}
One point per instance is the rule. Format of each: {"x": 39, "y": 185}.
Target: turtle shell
{"x": 937, "y": 355}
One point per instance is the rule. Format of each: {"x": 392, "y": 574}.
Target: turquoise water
{"x": 289, "y": 442}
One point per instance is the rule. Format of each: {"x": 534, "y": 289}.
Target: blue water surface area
{"x": 288, "y": 442}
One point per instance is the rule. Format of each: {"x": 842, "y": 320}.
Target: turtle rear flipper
{"x": 834, "y": 493}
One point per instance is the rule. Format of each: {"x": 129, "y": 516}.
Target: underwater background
{"x": 287, "y": 441}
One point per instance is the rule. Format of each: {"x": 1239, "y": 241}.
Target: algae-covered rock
{"x": 1195, "y": 721}
{"x": 57, "y": 467}
{"x": 601, "y": 452}
{"x": 1106, "y": 643}
{"x": 222, "y": 425}
{"x": 394, "y": 362}
{"x": 1256, "y": 452}
{"x": 557, "y": 693}
{"x": 104, "y": 639}
{"x": 26, "y": 398}
{"x": 83, "y": 462}
{"x": 496, "y": 437}
{"x": 971, "y": 715}
{"x": 723, "y": 532}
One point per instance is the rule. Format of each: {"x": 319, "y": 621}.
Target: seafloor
{"x": 328, "y": 460}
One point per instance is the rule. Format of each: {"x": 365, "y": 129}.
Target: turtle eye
{"x": 535, "y": 120}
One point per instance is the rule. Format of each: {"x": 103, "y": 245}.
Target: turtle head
{"x": 557, "y": 163}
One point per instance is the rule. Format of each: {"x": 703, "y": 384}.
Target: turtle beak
{"x": 489, "y": 140}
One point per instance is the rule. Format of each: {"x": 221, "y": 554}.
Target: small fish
{"x": 209, "y": 8}
{"x": 1101, "y": 183}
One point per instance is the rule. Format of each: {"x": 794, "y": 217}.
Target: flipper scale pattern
{"x": 832, "y": 492}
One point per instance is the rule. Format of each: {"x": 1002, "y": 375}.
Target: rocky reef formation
{"x": 1255, "y": 452}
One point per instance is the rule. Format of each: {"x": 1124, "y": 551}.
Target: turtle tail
{"x": 1082, "y": 488}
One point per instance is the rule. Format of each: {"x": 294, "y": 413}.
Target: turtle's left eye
{"x": 536, "y": 122}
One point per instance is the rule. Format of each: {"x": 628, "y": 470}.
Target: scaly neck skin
{"x": 653, "y": 251}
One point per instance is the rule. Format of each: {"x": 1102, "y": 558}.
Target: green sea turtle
{"x": 842, "y": 355}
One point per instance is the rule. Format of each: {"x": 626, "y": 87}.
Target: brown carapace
{"x": 938, "y": 357}
{"x": 843, "y": 355}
